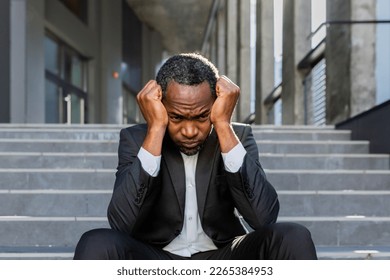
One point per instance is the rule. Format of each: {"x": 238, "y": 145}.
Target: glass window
{"x": 52, "y": 103}
{"x": 65, "y": 88}
{"x": 130, "y": 107}
{"x": 51, "y": 55}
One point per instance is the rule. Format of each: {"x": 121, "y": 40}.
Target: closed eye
{"x": 176, "y": 117}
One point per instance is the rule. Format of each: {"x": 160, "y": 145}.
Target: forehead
{"x": 186, "y": 99}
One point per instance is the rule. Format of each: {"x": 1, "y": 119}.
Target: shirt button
{"x": 190, "y": 186}
{"x": 189, "y": 218}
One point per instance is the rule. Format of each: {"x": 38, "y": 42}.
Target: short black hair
{"x": 187, "y": 69}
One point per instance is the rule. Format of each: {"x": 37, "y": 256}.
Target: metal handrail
{"x": 274, "y": 95}
{"x": 334, "y": 22}
{"x": 316, "y": 54}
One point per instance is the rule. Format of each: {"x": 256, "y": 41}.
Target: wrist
{"x": 153, "y": 140}
{"x": 226, "y": 135}
{"x": 222, "y": 126}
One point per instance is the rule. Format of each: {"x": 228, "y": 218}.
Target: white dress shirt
{"x": 192, "y": 238}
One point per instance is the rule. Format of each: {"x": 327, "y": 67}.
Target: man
{"x": 183, "y": 176}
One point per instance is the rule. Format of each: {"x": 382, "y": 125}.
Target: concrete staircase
{"x": 56, "y": 182}
{"x": 331, "y": 185}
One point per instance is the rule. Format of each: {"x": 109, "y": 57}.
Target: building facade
{"x": 73, "y": 61}
{"x": 83, "y": 61}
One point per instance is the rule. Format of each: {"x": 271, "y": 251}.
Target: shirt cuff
{"x": 233, "y": 160}
{"x": 149, "y": 162}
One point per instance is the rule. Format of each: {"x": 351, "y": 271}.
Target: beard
{"x": 191, "y": 151}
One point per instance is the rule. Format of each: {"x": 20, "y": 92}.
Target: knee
{"x": 95, "y": 236}
{"x": 295, "y": 230}
{"x": 294, "y": 240}
{"x": 286, "y": 233}
{"x": 93, "y": 244}
{"x": 292, "y": 231}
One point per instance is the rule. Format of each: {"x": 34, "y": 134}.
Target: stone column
{"x": 221, "y": 37}
{"x": 264, "y": 57}
{"x": 244, "y": 71}
{"x": 296, "y": 28}
{"x": 35, "y": 62}
{"x": 231, "y": 42}
{"x": 5, "y": 61}
{"x": 363, "y": 45}
{"x": 18, "y": 61}
{"x": 111, "y": 57}
{"x": 350, "y": 58}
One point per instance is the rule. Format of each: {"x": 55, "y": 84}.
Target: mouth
{"x": 190, "y": 145}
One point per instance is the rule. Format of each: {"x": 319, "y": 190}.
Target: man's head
{"x": 187, "y": 69}
{"x": 188, "y": 84}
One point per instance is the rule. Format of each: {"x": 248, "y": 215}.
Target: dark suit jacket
{"x": 151, "y": 209}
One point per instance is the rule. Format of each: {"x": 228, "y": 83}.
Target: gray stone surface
{"x": 56, "y": 182}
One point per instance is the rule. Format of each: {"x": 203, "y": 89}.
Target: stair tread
{"x": 323, "y": 150}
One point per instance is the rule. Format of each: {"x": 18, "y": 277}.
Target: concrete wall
{"x": 350, "y": 58}
{"x": 296, "y": 27}
{"x": 100, "y": 42}
{"x": 264, "y": 57}
{"x": 111, "y": 53}
{"x": 23, "y": 25}
{"x": 5, "y": 62}
{"x": 35, "y": 63}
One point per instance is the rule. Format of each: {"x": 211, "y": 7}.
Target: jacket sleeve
{"x": 254, "y": 196}
{"x": 133, "y": 186}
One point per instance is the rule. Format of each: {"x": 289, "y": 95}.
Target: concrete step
{"x": 62, "y": 179}
{"x": 111, "y": 132}
{"x": 58, "y": 145}
{"x": 110, "y": 146}
{"x": 312, "y": 147}
{"x": 282, "y": 179}
{"x": 86, "y": 203}
{"x": 80, "y": 203}
{"x": 325, "y": 161}
{"x": 292, "y": 180}
{"x": 301, "y": 135}
{"x": 48, "y": 126}
{"x": 58, "y": 160}
{"x": 36, "y": 253}
{"x": 26, "y": 231}
{"x": 334, "y": 203}
{"x": 353, "y": 252}
{"x": 66, "y": 231}
{"x": 299, "y": 128}
{"x": 345, "y": 231}
{"x": 269, "y": 161}
{"x": 60, "y": 133}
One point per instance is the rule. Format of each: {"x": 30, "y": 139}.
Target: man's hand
{"x": 149, "y": 101}
{"x": 155, "y": 115}
{"x": 222, "y": 110}
{"x": 227, "y": 96}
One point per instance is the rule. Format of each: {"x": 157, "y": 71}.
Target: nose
{"x": 189, "y": 130}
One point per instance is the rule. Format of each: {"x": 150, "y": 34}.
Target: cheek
{"x": 205, "y": 129}
{"x": 173, "y": 130}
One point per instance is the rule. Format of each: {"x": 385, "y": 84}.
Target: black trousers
{"x": 278, "y": 241}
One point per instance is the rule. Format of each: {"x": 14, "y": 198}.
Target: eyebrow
{"x": 205, "y": 112}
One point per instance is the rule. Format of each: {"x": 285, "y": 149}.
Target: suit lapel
{"x": 175, "y": 167}
{"x": 204, "y": 169}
